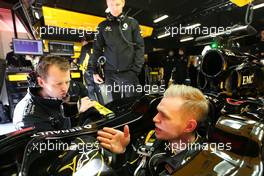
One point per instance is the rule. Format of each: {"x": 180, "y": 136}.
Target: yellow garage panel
{"x": 74, "y": 20}
{"x": 68, "y": 19}
{"x": 75, "y": 74}
{"x": 241, "y": 3}
{"x": 18, "y": 77}
{"x": 146, "y": 31}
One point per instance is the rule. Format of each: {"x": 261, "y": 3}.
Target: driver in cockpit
{"x": 179, "y": 112}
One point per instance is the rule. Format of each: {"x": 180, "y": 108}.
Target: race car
{"x": 235, "y": 124}
{"x": 233, "y": 131}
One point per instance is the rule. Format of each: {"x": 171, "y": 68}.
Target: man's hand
{"x": 97, "y": 79}
{"x": 85, "y": 103}
{"x": 114, "y": 140}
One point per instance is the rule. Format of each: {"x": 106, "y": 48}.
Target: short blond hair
{"x": 195, "y": 101}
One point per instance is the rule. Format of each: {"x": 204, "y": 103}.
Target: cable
{"x": 249, "y": 14}
{"x": 121, "y": 32}
{"x": 142, "y": 164}
{"x": 123, "y": 36}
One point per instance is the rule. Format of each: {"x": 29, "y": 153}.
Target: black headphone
{"x": 120, "y": 18}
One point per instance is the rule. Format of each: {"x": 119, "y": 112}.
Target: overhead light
{"x": 192, "y": 26}
{"x": 186, "y": 39}
{"x": 166, "y": 34}
{"x": 258, "y": 6}
{"x": 214, "y": 45}
{"x": 36, "y": 14}
{"x": 239, "y": 28}
{"x": 160, "y": 18}
{"x": 158, "y": 49}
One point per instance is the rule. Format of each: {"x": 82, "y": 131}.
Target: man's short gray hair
{"x": 47, "y": 61}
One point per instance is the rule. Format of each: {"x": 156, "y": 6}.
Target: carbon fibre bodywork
{"x": 234, "y": 130}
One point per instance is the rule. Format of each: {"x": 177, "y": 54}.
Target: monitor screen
{"x": 26, "y": 46}
{"x": 61, "y": 48}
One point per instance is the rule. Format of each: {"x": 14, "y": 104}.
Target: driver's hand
{"x": 85, "y": 103}
{"x": 98, "y": 79}
{"x": 114, "y": 140}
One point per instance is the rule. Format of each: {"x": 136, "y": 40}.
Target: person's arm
{"x": 84, "y": 51}
{"x": 85, "y": 104}
{"x": 98, "y": 48}
{"x": 114, "y": 140}
{"x": 139, "y": 48}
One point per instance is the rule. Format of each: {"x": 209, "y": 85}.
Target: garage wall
{"x": 5, "y": 39}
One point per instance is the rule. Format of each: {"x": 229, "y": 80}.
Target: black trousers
{"x": 121, "y": 84}
{"x": 94, "y": 91}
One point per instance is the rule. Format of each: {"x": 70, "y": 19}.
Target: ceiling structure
{"x": 207, "y": 12}
{"x": 185, "y": 11}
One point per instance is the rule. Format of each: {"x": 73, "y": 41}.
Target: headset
{"x": 120, "y": 20}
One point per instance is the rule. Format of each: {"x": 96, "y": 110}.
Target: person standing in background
{"x": 86, "y": 63}
{"x": 180, "y": 73}
{"x": 120, "y": 42}
{"x": 168, "y": 64}
{"x": 192, "y": 70}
